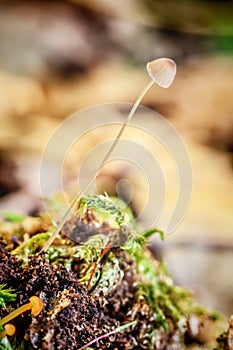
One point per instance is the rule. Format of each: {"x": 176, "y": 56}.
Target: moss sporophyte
{"x": 91, "y": 282}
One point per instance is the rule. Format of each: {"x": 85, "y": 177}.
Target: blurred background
{"x": 58, "y": 57}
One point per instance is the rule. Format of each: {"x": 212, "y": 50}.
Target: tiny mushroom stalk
{"x": 35, "y": 305}
{"x": 162, "y": 72}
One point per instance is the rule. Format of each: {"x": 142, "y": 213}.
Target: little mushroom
{"x": 162, "y": 71}
{"x": 35, "y": 305}
{"x": 9, "y": 329}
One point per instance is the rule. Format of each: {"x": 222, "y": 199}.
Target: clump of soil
{"x": 90, "y": 292}
{"x": 70, "y": 317}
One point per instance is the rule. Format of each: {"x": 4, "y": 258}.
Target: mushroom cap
{"x": 36, "y": 305}
{"x": 10, "y": 329}
{"x": 162, "y": 71}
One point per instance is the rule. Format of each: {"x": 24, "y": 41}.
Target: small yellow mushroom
{"x": 35, "y": 305}
{"x": 9, "y": 329}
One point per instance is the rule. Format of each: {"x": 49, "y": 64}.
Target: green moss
{"x": 5, "y": 345}
{"x": 166, "y": 300}
{"x": 13, "y": 216}
{"x": 6, "y": 295}
{"x": 31, "y": 246}
{"x": 103, "y": 207}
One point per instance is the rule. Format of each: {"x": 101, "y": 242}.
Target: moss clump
{"x": 105, "y": 278}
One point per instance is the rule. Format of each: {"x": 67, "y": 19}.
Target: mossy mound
{"x": 102, "y": 288}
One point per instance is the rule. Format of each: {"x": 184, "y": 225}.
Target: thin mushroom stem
{"x": 104, "y": 161}
{"x": 128, "y": 119}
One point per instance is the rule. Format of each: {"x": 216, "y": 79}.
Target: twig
{"x": 117, "y": 330}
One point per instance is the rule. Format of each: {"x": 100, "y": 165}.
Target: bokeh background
{"x": 58, "y": 57}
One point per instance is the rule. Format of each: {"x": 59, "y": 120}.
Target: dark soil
{"x": 71, "y": 316}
